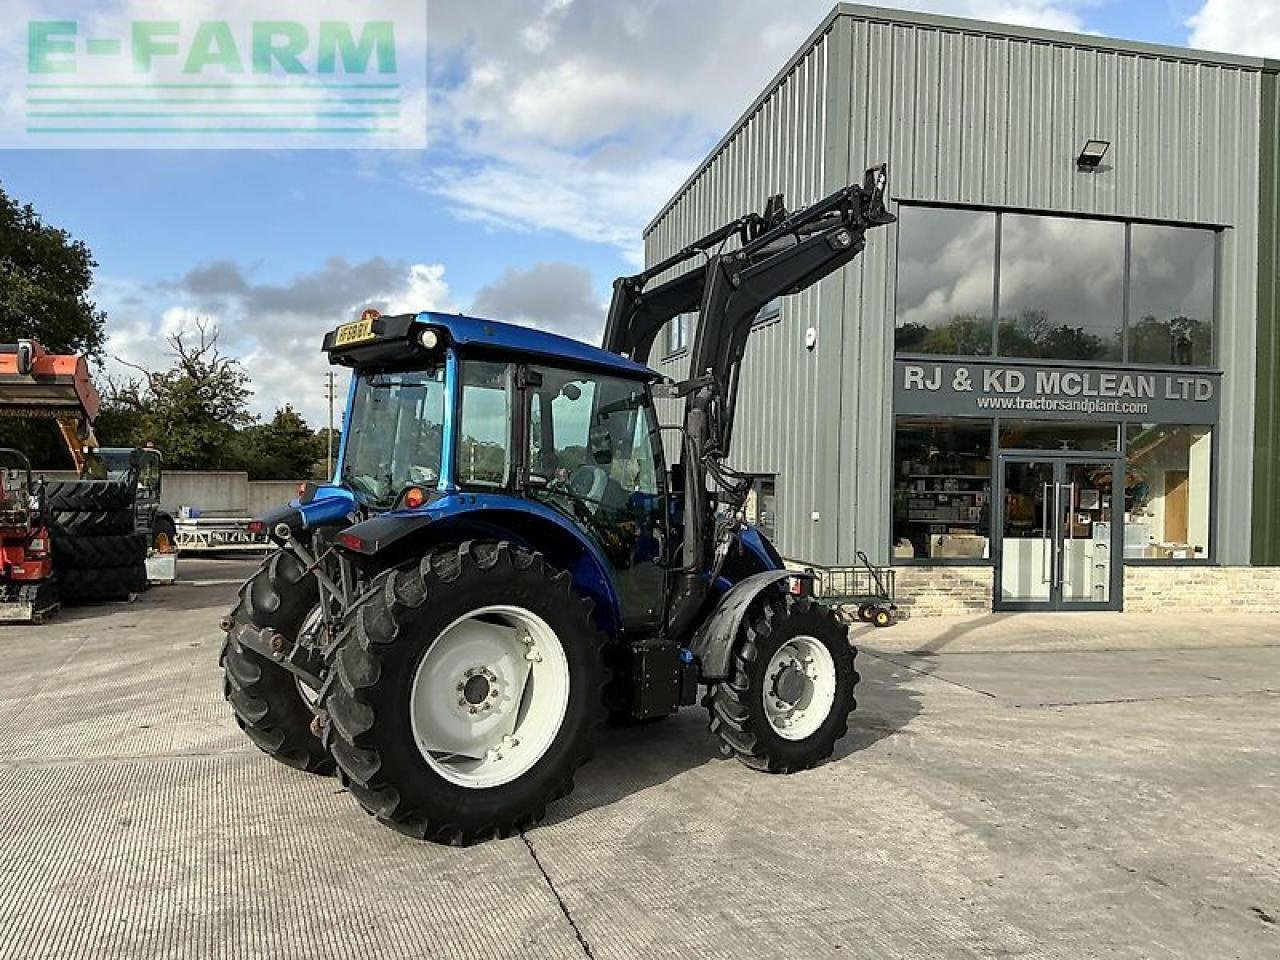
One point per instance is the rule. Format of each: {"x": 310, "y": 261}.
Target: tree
{"x": 284, "y": 448}
{"x": 191, "y": 411}
{"x": 45, "y": 276}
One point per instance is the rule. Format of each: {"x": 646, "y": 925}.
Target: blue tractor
{"x": 504, "y": 559}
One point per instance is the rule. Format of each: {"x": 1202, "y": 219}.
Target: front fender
{"x": 398, "y": 535}
{"x": 714, "y": 641}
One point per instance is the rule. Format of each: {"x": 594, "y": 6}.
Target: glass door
{"x": 1057, "y": 539}
{"x": 1026, "y": 555}
{"x": 1085, "y": 492}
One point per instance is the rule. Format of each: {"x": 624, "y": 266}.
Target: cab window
{"x": 484, "y": 452}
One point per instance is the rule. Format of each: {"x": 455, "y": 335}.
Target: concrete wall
{"x": 266, "y": 495}
{"x": 212, "y": 492}
{"x": 969, "y": 114}
{"x": 230, "y": 493}
{"x": 225, "y": 492}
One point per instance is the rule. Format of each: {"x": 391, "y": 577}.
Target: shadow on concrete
{"x": 942, "y": 640}
{"x": 629, "y": 760}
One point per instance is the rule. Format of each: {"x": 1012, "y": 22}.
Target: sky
{"x": 556, "y": 130}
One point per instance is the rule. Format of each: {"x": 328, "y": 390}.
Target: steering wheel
{"x": 589, "y": 482}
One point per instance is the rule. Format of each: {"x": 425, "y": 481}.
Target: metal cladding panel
{"x": 781, "y": 421}
{"x": 971, "y": 114}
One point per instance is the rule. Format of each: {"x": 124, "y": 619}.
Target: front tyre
{"x": 791, "y": 689}
{"x": 467, "y": 693}
{"x": 273, "y": 709}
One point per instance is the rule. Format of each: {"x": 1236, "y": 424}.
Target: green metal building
{"x": 1056, "y": 378}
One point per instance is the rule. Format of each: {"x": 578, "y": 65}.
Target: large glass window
{"x": 946, "y": 277}
{"x": 1061, "y": 288}
{"x": 483, "y": 445}
{"x": 395, "y": 434}
{"x": 1171, "y": 295}
{"x": 942, "y": 489}
{"x": 1167, "y": 485}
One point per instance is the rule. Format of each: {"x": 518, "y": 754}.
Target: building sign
{"x": 1036, "y": 392}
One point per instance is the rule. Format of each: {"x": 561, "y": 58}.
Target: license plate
{"x": 357, "y": 332}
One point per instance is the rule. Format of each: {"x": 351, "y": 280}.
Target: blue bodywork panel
{"x": 331, "y": 504}
{"x": 473, "y": 332}
{"x": 451, "y": 517}
{"x": 758, "y": 545}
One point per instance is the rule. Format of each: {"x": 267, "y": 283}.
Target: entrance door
{"x": 1058, "y": 548}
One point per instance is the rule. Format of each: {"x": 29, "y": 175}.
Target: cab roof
{"x": 394, "y": 340}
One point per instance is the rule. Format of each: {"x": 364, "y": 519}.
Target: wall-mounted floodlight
{"x": 1092, "y": 154}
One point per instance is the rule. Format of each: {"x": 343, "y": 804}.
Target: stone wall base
{"x": 1203, "y": 589}
{"x": 965, "y": 591}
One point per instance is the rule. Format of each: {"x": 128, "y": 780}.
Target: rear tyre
{"x": 88, "y": 495}
{"x": 866, "y": 611}
{"x": 94, "y": 553}
{"x": 91, "y": 523}
{"x": 791, "y": 687}
{"x": 466, "y": 694}
{"x": 268, "y": 702}
{"x": 102, "y": 583}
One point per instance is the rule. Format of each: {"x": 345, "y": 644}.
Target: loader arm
{"x": 778, "y": 254}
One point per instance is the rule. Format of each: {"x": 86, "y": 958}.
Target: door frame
{"x": 1059, "y": 459}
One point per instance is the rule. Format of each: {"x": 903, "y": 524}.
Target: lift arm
{"x": 778, "y": 254}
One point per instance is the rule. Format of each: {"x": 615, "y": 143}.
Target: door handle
{"x": 1071, "y": 501}
{"x": 1044, "y": 535}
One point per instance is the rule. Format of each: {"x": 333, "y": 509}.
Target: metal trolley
{"x": 871, "y": 589}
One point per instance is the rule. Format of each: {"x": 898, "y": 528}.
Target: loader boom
{"x": 777, "y": 254}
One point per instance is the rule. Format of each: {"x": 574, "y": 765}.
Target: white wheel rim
{"x": 489, "y": 696}
{"x": 799, "y": 688}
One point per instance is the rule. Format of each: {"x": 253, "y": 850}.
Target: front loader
{"x": 503, "y": 558}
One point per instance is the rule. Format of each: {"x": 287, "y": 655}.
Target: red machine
{"x": 36, "y": 383}
{"x": 28, "y": 592}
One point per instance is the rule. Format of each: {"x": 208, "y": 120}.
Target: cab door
{"x": 593, "y": 454}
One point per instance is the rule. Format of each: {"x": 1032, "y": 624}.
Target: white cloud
{"x": 583, "y": 118}
{"x": 550, "y": 296}
{"x": 274, "y": 329}
{"x": 1238, "y": 26}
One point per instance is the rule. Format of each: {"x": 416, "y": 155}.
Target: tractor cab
{"x": 450, "y": 412}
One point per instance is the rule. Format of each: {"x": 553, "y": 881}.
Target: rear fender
{"x": 400, "y": 535}
{"x": 714, "y": 641}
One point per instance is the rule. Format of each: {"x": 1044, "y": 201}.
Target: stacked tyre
{"x": 96, "y": 553}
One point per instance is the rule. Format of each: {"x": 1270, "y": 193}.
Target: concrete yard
{"x": 1036, "y": 786}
